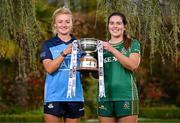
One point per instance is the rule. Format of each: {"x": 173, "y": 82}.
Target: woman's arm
{"x": 52, "y": 65}
{"x": 131, "y": 62}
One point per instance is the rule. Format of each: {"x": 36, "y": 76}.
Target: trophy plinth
{"x": 88, "y": 62}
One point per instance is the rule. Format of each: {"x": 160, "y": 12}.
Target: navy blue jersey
{"x": 56, "y": 84}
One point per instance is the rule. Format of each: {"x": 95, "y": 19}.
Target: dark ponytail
{"x": 127, "y": 40}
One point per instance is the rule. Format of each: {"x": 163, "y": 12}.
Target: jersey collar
{"x": 68, "y": 42}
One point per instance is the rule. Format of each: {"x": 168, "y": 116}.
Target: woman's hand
{"x": 68, "y": 49}
{"x": 107, "y": 46}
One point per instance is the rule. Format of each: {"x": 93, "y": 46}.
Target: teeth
{"x": 115, "y": 30}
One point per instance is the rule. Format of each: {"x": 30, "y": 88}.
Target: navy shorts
{"x": 65, "y": 109}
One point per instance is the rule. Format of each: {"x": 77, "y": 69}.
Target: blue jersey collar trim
{"x": 56, "y": 38}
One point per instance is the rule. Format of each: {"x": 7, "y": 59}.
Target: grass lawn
{"x": 39, "y": 118}
{"x": 143, "y": 120}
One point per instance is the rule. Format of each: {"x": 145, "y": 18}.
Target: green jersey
{"x": 119, "y": 81}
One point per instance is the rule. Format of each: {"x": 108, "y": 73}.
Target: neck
{"x": 114, "y": 40}
{"x": 64, "y": 38}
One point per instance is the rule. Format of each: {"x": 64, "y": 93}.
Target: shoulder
{"x": 51, "y": 42}
{"x": 135, "y": 46}
{"x": 135, "y": 41}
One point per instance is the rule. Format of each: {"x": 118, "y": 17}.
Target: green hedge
{"x": 21, "y": 118}
{"x": 162, "y": 113}
{"x": 150, "y": 113}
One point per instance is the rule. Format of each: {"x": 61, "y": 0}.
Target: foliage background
{"x": 25, "y": 25}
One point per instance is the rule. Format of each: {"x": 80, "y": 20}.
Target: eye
{"x": 68, "y": 21}
{"x": 111, "y": 23}
{"x": 59, "y": 21}
{"x": 119, "y": 23}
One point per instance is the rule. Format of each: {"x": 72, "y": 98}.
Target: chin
{"x": 116, "y": 35}
{"x": 65, "y": 33}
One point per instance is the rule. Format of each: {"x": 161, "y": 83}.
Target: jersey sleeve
{"x": 45, "y": 53}
{"x": 135, "y": 47}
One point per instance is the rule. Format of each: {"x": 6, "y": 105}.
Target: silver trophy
{"x": 89, "y": 46}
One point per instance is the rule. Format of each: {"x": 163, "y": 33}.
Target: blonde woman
{"x": 55, "y": 56}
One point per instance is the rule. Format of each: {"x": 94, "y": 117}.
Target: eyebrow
{"x": 115, "y": 21}
{"x": 63, "y": 19}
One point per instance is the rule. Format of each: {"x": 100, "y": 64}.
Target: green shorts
{"x": 117, "y": 108}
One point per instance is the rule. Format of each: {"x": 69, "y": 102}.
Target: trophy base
{"x": 88, "y": 63}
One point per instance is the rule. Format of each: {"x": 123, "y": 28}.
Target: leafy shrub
{"x": 162, "y": 113}
{"x": 21, "y": 118}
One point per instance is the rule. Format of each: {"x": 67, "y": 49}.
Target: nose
{"x": 64, "y": 24}
{"x": 115, "y": 25}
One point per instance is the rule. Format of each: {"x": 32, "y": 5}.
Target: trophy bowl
{"x": 88, "y": 45}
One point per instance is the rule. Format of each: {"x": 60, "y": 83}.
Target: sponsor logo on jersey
{"x": 102, "y": 107}
{"x": 65, "y": 64}
{"x": 124, "y": 51}
{"x": 126, "y": 105}
{"x": 43, "y": 54}
{"x": 110, "y": 59}
{"x": 50, "y": 105}
{"x": 81, "y": 109}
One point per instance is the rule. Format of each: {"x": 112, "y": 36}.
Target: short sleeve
{"x": 45, "y": 53}
{"x": 135, "y": 47}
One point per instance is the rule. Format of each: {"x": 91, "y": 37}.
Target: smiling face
{"x": 63, "y": 24}
{"x": 116, "y": 26}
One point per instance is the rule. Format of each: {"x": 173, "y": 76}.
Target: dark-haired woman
{"x": 121, "y": 58}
